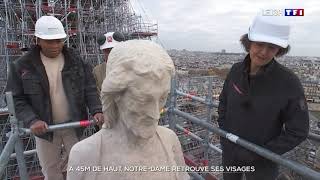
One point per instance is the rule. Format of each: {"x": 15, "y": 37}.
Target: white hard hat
{"x": 110, "y": 39}
{"x": 270, "y": 29}
{"x": 49, "y": 27}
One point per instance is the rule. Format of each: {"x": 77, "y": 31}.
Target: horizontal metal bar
{"x": 314, "y": 137}
{"x": 26, "y": 153}
{"x": 83, "y": 123}
{"x": 4, "y": 110}
{"x": 199, "y": 99}
{"x": 189, "y": 133}
{"x": 215, "y": 148}
{"x": 195, "y": 137}
{"x": 300, "y": 169}
{"x": 214, "y": 104}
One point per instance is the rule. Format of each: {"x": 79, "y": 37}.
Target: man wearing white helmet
{"x": 52, "y": 85}
{"x": 106, "y": 42}
{"x": 262, "y": 101}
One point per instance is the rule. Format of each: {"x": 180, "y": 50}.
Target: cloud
{"x": 212, "y": 25}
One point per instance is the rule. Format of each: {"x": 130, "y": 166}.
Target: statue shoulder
{"x": 85, "y": 147}
{"x": 167, "y": 134}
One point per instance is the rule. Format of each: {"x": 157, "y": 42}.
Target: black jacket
{"x": 268, "y": 109}
{"x": 29, "y": 84}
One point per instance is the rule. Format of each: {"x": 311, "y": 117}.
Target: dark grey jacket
{"x": 268, "y": 109}
{"x": 29, "y": 84}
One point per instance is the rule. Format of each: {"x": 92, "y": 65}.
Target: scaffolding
{"x": 84, "y": 21}
{"x": 297, "y": 161}
{"x": 201, "y": 89}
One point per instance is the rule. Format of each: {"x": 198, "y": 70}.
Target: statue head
{"x": 136, "y": 86}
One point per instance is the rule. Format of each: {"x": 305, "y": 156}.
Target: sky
{"x": 213, "y": 25}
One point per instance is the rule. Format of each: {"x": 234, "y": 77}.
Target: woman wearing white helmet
{"x": 262, "y": 101}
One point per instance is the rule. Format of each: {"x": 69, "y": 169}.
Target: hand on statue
{"x": 39, "y": 127}
{"x": 98, "y": 117}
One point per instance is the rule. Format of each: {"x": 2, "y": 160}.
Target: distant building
{"x": 312, "y": 91}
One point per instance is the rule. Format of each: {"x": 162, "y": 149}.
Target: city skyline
{"x": 212, "y": 25}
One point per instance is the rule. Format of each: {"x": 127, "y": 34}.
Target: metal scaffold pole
{"x": 6, "y": 32}
{"x": 172, "y": 105}
{"x": 6, "y": 152}
{"x": 14, "y": 142}
{"x": 209, "y": 111}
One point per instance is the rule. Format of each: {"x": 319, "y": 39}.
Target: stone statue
{"x": 130, "y": 144}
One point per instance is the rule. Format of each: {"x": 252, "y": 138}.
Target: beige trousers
{"x": 53, "y": 156}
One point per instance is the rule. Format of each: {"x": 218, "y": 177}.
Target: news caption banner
{"x": 198, "y": 169}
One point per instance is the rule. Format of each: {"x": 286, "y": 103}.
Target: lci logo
{"x": 294, "y": 12}
{"x": 283, "y": 12}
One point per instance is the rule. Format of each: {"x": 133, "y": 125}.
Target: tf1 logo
{"x": 294, "y": 12}
{"x": 283, "y": 12}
